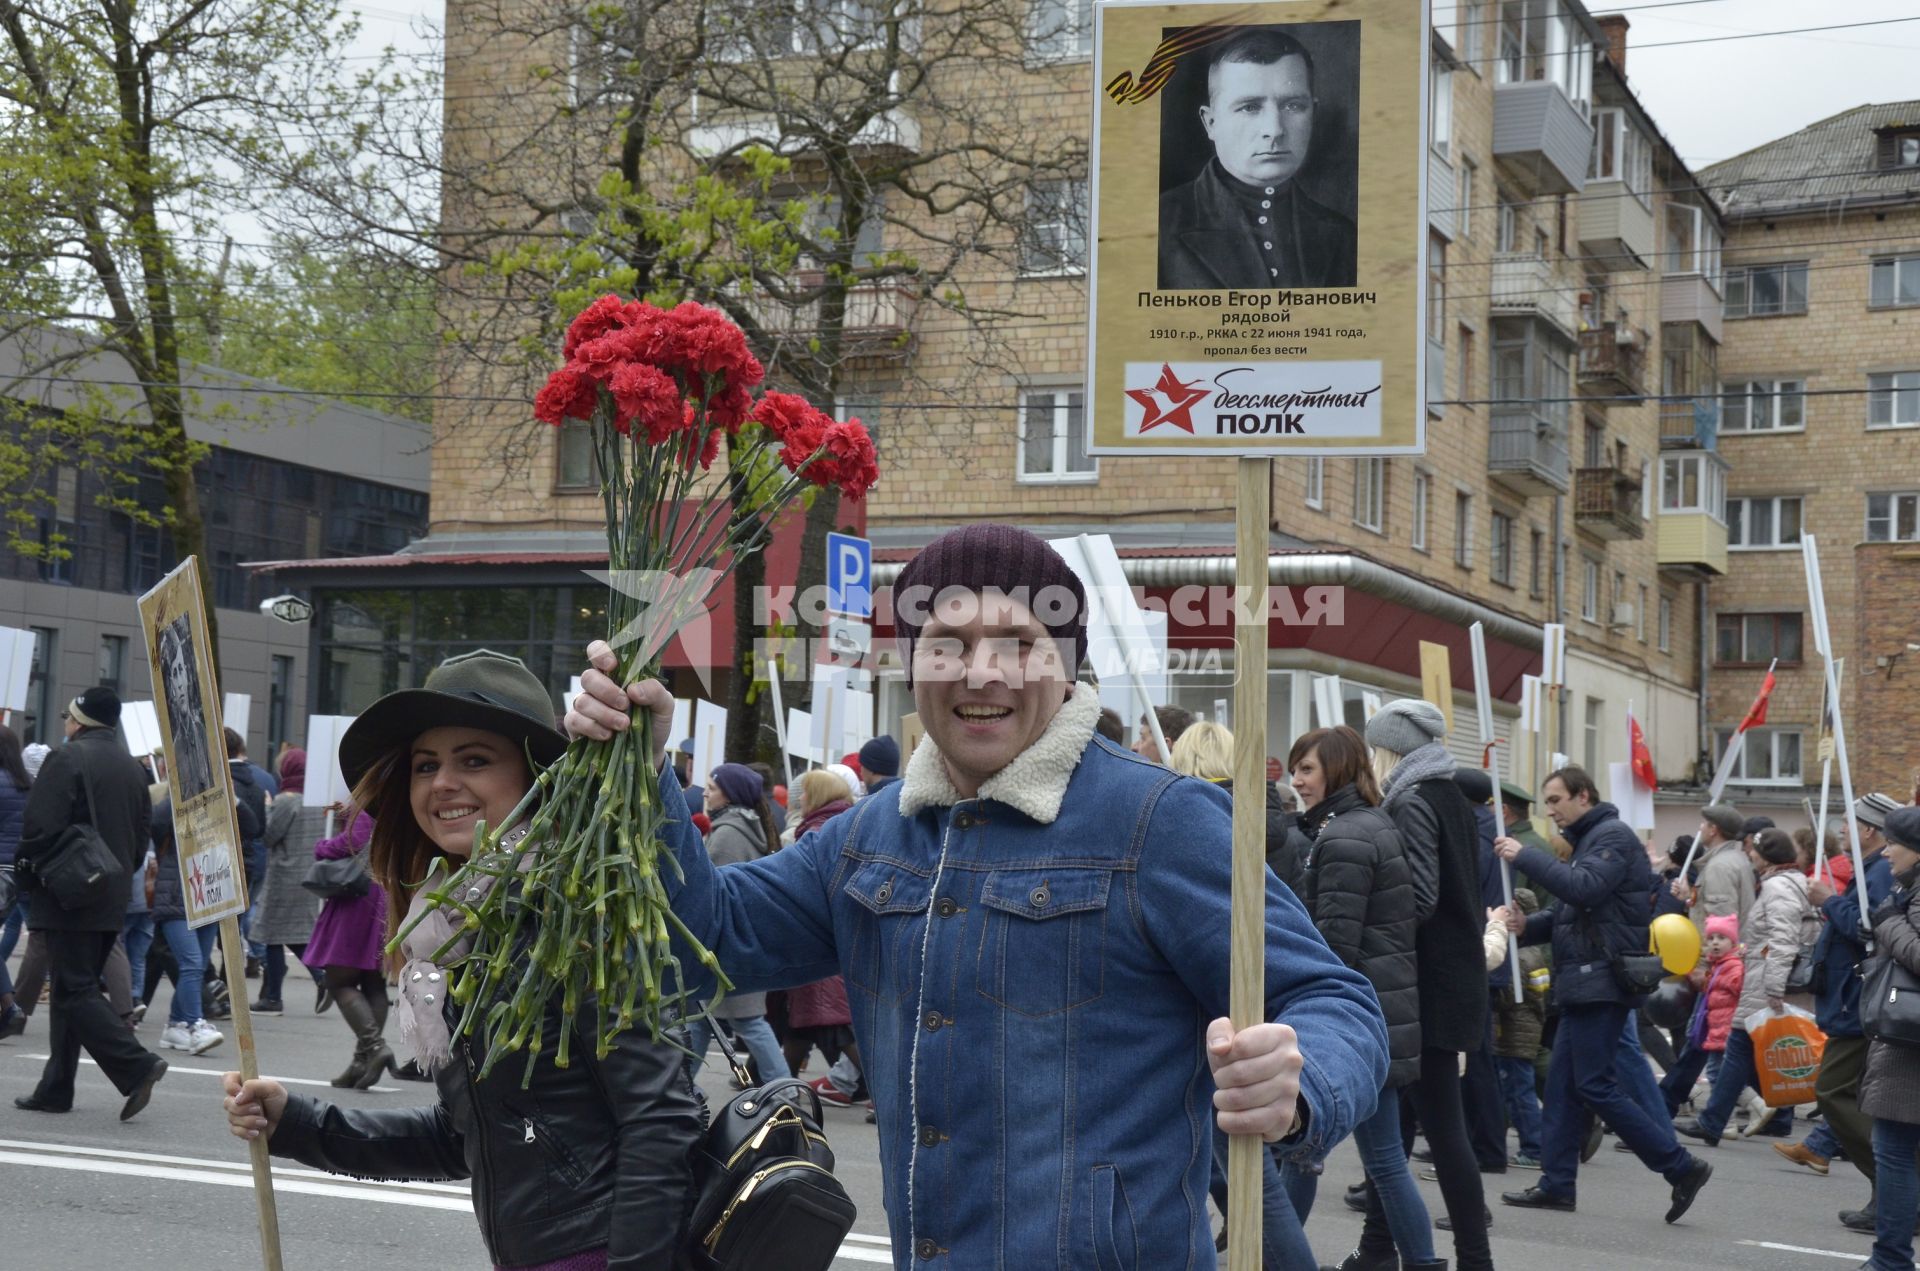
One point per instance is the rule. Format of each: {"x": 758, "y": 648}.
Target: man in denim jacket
{"x": 1033, "y": 928}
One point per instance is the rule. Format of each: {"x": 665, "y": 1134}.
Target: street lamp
{"x": 287, "y": 608}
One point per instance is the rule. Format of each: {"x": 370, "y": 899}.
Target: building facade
{"x": 1821, "y": 383}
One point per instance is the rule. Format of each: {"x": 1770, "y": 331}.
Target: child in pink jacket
{"x": 1718, "y": 979}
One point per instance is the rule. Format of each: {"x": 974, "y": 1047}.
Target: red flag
{"x": 1642, "y": 757}
{"x": 1757, "y": 713}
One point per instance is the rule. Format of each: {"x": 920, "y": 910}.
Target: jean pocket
{"x": 1043, "y": 943}
{"x": 889, "y": 899}
{"x": 1115, "y": 1245}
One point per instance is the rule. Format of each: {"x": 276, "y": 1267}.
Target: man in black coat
{"x": 1244, "y": 221}
{"x": 91, "y": 780}
{"x": 1604, "y": 912}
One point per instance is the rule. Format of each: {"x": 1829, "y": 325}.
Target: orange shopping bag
{"x": 1786, "y": 1053}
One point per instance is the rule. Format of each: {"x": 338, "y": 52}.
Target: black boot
{"x": 358, "y": 1012}
{"x": 379, "y": 1056}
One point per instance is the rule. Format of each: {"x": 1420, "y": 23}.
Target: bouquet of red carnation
{"x": 587, "y": 919}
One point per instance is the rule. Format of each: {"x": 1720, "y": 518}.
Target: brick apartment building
{"x": 1572, "y": 473}
{"x": 1821, "y": 375}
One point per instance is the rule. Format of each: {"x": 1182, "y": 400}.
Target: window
{"x": 1370, "y": 494}
{"x": 1763, "y": 405}
{"x": 43, "y": 718}
{"x": 576, "y": 467}
{"x": 1436, "y": 287}
{"x": 1616, "y": 598}
{"x": 1500, "y": 550}
{"x": 1463, "y": 530}
{"x": 1589, "y": 589}
{"x": 1422, "y": 502}
{"x": 1468, "y": 380}
{"x": 1053, "y": 436}
{"x": 1893, "y": 399}
{"x": 1532, "y": 375}
{"x": 1316, "y": 482}
{"x": 1759, "y": 524}
{"x": 1507, "y": 235}
{"x": 1621, "y": 152}
{"x": 1060, "y": 29}
{"x": 1541, "y": 40}
{"x": 804, "y": 27}
{"x": 112, "y": 669}
{"x": 1896, "y": 282}
{"x": 1594, "y": 437}
{"x": 279, "y": 703}
{"x": 1640, "y": 616}
{"x": 1590, "y": 735}
{"x": 1899, "y": 149}
{"x": 1665, "y": 631}
{"x": 1536, "y": 564}
{"x": 1893, "y": 518}
{"x": 1693, "y": 483}
{"x": 1463, "y": 195}
{"x": 1765, "y": 291}
{"x": 1692, "y": 243}
{"x": 1470, "y": 20}
{"x": 1771, "y": 756}
{"x": 1755, "y": 639}
{"x": 1053, "y": 238}
{"x": 1439, "y": 108}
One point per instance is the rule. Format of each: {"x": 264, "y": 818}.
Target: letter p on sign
{"x": 849, "y": 576}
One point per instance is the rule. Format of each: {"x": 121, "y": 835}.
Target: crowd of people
{"x": 947, "y": 932}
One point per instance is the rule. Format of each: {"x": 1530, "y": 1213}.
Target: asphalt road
{"x": 171, "y": 1188}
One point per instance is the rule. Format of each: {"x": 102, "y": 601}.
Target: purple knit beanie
{"x": 991, "y": 557}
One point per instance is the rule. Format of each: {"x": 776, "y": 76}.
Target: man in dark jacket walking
{"x": 89, "y": 781}
{"x": 1602, "y": 914}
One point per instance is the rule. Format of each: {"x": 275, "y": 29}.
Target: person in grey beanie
{"x": 1442, "y": 846}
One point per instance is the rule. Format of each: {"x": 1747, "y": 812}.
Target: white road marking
{"x": 221, "y": 1072}
{"x": 1818, "y": 1253}
{"x": 188, "y": 1169}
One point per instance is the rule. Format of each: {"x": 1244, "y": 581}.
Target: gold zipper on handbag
{"x": 746, "y": 1193}
{"x": 784, "y": 1116}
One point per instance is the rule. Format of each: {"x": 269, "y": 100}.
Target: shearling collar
{"x": 1034, "y": 783}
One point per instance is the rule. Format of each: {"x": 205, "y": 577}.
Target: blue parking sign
{"x": 849, "y": 576}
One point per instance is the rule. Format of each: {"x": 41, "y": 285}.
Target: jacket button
{"x": 885, "y": 892}
{"x": 1040, "y": 897}
{"x": 929, "y": 1136}
{"x": 926, "y": 1250}
{"x": 947, "y": 908}
{"x": 933, "y": 1021}
{"x": 963, "y": 820}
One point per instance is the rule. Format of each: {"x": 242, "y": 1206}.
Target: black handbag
{"x": 79, "y": 868}
{"x": 1890, "y": 1002}
{"x": 346, "y": 876}
{"x": 765, "y": 1198}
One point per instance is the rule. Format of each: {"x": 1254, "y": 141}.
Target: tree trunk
{"x": 822, "y": 518}
{"x": 744, "y": 740}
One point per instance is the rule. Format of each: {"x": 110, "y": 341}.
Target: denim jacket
{"x": 1031, "y": 973}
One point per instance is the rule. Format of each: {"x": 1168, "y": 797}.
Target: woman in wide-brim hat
{"x": 587, "y": 1166}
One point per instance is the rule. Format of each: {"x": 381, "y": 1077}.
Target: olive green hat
{"x": 482, "y": 689}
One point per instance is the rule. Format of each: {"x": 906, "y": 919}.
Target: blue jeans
{"x": 1283, "y": 1239}
{"x": 191, "y": 952}
{"x": 1383, "y": 1154}
{"x": 10, "y": 936}
{"x": 1898, "y": 1188}
{"x": 755, "y": 1033}
{"x": 1736, "y": 1075}
{"x": 1677, "y": 1086}
{"x": 1523, "y": 1103}
{"x": 1821, "y": 1142}
{"x": 1585, "y": 1075}
{"x": 139, "y": 938}
{"x": 1636, "y": 1075}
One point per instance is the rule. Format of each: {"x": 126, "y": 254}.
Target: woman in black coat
{"x": 1355, "y": 881}
{"x": 1442, "y": 846}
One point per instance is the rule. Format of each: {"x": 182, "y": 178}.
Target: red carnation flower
{"x": 594, "y": 321}
{"x": 847, "y": 459}
{"x": 601, "y": 356}
{"x": 643, "y": 395}
{"x": 780, "y": 413}
{"x": 704, "y": 343}
{"x": 730, "y": 408}
{"x": 691, "y": 447}
{"x": 567, "y": 394}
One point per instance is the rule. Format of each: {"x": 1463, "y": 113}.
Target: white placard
{"x": 325, "y": 784}
{"x": 1126, "y": 644}
{"x": 800, "y": 736}
{"x": 1329, "y": 706}
{"x": 1553, "y": 653}
{"x": 16, "y": 667}
{"x": 236, "y": 711}
{"x": 1634, "y": 801}
{"x": 709, "y": 740}
{"x": 1370, "y": 704}
{"x": 1220, "y": 712}
{"x": 140, "y": 725}
{"x": 1531, "y": 715}
{"x": 682, "y": 722}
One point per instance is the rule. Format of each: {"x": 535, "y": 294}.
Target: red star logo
{"x": 1181, "y": 399}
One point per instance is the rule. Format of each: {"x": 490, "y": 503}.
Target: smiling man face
{"x": 987, "y": 680}
{"x": 1260, "y": 117}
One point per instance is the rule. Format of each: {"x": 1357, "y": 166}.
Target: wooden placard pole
{"x": 1248, "y": 992}
{"x": 1489, "y": 750}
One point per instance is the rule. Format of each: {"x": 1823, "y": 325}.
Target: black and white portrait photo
{"x": 192, "y": 759}
{"x": 1259, "y": 160}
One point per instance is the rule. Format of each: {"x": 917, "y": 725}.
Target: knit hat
{"x": 1727, "y": 925}
{"x": 1874, "y": 809}
{"x": 881, "y": 757}
{"x": 34, "y": 755}
{"x": 1405, "y": 725}
{"x": 98, "y": 707}
{"x": 1474, "y": 783}
{"x": 741, "y": 784}
{"x": 990, "y": 557}
{"x": 1754, "y": 824}
{"x": 293, "y": 771}
{"x": 849, "y": 776}
{"x": 1725, "y": 818}
{"x": 1903, "y": 827}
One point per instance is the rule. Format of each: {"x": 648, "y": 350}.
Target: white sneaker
{"x": 176, "y": 1037}
{"x": 204, "y": 1037}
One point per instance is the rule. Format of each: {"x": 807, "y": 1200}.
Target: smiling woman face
{"x": 460, "y": 777}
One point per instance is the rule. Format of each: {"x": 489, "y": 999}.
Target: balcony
{"x": 1442, "y": 215}
{"x": 878, "y": 322}
{"x": 1616, "y": 226}
{"x": 1527, "y": 453}
{"x": 1692, "y": 298}
{"x": 1540, "y": 138}
{"x": 1524, "y": 285}
{"x": 1606, "y": 503}
{"x": 1691, "y": 545}
{"x": 1613, "y": 360}
{"x": 1690, "y": 423}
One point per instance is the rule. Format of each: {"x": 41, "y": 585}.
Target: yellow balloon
{"x": 1677, "y": 941}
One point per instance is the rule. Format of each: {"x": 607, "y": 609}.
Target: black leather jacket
{"x": 595, "y": 1155}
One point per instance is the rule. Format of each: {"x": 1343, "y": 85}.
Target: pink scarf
{"x": 424, "y": 982}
